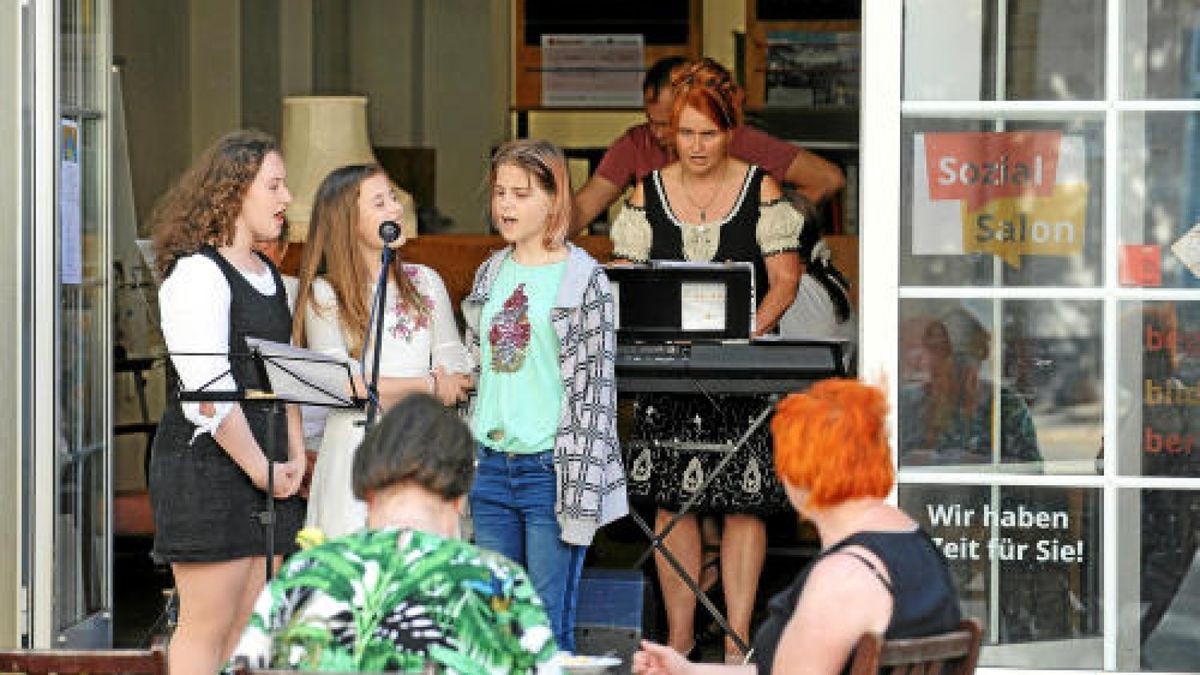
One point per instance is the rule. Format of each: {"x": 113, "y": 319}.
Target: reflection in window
{"x": 1043, "y": 370}
{"x": 1160, "y": 199}
{"x": 1160, "y": 392}
{"x": 1170, "y": 581}
{"x": 1027, "y": 561}
{"x": 955, "y": 50}
{"x": 947, "y": 400}
{"x": 1161, "y": 49}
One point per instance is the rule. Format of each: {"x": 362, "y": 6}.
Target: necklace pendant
{"x": 703, "y": 216}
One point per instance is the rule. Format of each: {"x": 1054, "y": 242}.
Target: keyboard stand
{"x": 656, "y": 539}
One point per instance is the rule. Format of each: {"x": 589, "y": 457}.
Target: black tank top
{"x": 924, "y": 601}
{"x": 738, "y": 230}
{"x": 252, "y": 314}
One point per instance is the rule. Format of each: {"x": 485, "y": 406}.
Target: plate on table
{"x": 578, "y": 664}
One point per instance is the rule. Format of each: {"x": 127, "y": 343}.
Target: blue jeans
{"x": 512, "y": 504}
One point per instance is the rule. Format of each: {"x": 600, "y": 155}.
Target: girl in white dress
{"x": 422, "y": 349}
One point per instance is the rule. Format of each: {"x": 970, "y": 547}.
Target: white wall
{"x": 151, "y": 40}
{"x": 436, "y": 74}
{"x": 214, "y": 69}
{"x": 466, "y": 99}
{"x": 385, "y": 65}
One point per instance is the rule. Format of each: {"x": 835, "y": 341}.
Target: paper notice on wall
{"x": 592, "y": 71}
{"x": 70, "y": 207}
{"x": 1011, "y": 194}
{"x": 1187, "y": 249}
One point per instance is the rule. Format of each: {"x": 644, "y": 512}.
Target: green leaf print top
{"x": 395, "y": 600}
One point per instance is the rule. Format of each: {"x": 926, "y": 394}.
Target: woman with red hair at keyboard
{"x": 709, "y": 206}
{"x": 877, "y": 571}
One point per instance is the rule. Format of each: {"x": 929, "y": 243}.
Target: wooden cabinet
{"x": 802, "y": 77}
{"x": 805, "y": 53}
{"x": 667, "y": 27}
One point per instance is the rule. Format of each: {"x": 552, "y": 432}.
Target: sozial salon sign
{"x": 1008, "y": 193}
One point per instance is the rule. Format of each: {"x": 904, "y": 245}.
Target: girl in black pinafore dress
{"x": 208, "y": 466}
{"x": 204, "y": 503}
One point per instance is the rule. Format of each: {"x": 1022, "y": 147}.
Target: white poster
{"x": 70, "y": 207}
{"x": 1010, "y": 194}
{"x": 592, "y": 71}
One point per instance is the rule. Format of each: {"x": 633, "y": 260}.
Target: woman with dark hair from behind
{"x": 406, "y": 593}
{"x": 877, "y": 570}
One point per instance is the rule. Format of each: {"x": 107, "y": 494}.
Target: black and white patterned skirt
{"x": 677, "y": 442}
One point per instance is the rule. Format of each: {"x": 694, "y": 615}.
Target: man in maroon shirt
{"x": 649, "y": 146}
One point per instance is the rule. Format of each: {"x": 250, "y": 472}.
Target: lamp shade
{"x": 320, "y": 134}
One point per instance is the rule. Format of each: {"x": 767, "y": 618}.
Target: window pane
{"x": 1168, "y": 596}
{"x": 69, "y": 78}
{"x": 82, "y": 353}
{"x": 1043, "y": 367}
{"x": 1160, "y": 202}
{"x": 1160, "y": 389}
{"x": 1012, "y": 50}
{"x": 1027, "y": 562}
{"x": 1006, "y": 202}
{"x": 1160, "y": 49}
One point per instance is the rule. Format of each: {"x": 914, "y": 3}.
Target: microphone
{"x": 389, "y": 231}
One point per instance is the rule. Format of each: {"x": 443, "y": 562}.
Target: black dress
{"x": 657, "y": 469}
{"x": 924, "y": 601}
{"x": 204, "y": 504}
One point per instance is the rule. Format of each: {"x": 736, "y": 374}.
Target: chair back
{"x": 71, "y": 661}
{"x": 952, "y": 653}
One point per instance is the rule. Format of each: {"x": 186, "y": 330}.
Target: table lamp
{"x": 320, "y": 134}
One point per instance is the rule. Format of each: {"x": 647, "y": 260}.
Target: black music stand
{"x": 288, "y": 375}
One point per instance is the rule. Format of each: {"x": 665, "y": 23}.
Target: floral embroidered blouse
{"x": 399, "y": 600}
{"x": 413, "y": 342}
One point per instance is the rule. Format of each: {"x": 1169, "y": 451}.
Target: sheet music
{"x": 300, "y": 375}
{"x": 702, "y": 306}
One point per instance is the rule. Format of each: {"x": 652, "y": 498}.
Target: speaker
{"x": 609, "y": 613}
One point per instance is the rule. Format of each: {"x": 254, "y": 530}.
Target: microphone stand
{"x": 376, "y": 342}
{"x": 389, "y": 232}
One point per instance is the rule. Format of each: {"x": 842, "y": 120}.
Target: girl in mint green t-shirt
{"x": 540, "y": 320}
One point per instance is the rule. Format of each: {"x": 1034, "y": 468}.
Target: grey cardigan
{"x": 587, "y": 456}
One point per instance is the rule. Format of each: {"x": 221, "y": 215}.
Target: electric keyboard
{"x": 760, "y": 367}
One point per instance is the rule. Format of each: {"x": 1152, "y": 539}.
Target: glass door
{"x": 82, "y": 360}
{"x": 1040, "y": 299}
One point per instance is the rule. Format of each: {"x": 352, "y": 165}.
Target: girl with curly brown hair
{"x": 208, "y": 468}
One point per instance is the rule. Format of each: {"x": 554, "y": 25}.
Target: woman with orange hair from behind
{"x": 877, "y": 570}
